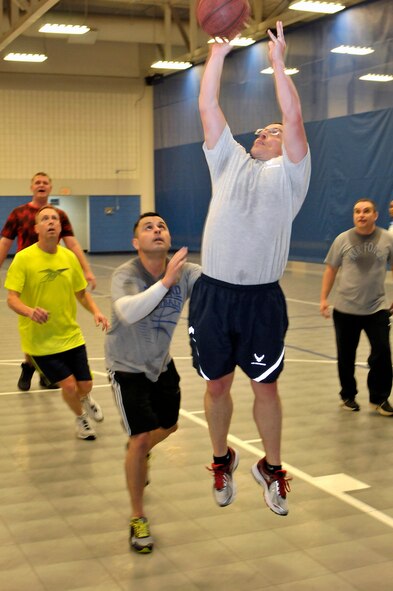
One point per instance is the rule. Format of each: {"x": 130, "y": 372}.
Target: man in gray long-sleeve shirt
{"x": 148, "y": 295}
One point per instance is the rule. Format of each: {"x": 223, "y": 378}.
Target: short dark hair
{"x": 147, "y": 214}
{"x": 366, "y": 199}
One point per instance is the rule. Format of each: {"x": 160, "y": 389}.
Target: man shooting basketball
{"x": 237, "y": 310}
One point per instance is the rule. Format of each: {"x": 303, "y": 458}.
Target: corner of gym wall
{"x": 91, "y": 135}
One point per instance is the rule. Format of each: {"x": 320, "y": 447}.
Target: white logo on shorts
{"x": 258, "y": 360}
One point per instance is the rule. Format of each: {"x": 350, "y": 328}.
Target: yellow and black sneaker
{"x": 140, "y": 538}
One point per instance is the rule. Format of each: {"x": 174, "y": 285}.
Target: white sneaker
{"x": 92, "y": 408}
{"x": 83, "y": 428}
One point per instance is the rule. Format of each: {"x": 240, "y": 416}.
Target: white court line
{"x": 303, "y": 302}
{"x": 317, "y": 482}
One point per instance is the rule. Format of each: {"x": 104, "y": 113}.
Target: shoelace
{"x": 220, "y": 475}
{"x": 141, "y": 528}
{"x": 282, "y": 481}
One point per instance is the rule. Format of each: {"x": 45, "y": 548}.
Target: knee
{"x": 139, "y": 444}
{"x": 172, "y": 429}
{"x": 216, "y": 389}
{"x": 69, "y": 386}
{"x": 85, "y": 388}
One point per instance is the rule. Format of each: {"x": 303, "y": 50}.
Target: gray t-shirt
{"x": 248, "y": 227}
{"x": 142, "y": 346}
{"x": 360, "y": 286}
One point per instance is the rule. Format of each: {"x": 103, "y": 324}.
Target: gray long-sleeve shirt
{"x": 144, "y": 316}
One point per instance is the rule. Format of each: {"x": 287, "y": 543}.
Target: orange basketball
{"x": 223, "y": 18}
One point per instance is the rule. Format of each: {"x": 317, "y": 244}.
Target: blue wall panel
{"x": 351, "y": 158}
{"x": 113, "y": 232}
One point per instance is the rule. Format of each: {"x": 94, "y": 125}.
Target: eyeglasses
{"x": 268, "y": 131}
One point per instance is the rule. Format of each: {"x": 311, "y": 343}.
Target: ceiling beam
{"x": 21, "y": 21}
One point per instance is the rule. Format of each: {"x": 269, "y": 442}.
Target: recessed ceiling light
{"x": 351, "y": 50}
{"x": 237, "y": 41}
{"x": 64, "y": 29}
{"x": 312, "y": 6}
{"x": 288, "y": 71}
{"x": 25, "y": 57}
{"x": 377, "y": 77}
{"x": 168, "y": 65}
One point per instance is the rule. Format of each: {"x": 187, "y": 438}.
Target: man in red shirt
{"x": 20, "y": 224}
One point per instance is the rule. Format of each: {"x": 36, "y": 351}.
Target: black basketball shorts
{"x": 242, "y": 325}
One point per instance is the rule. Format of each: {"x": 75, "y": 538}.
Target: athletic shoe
{"x": 83, "y": 428}
{"x": 275, "y": 487}
{"x": 350, "y": 405}
{"x": 44, "y": 384}
{"x": 140, "y": 538}
{"x": 383, "y": 409}
{"x": 92, "y": 408}
{"x": 24, "y": 381}
{"x": 224, "y": 488}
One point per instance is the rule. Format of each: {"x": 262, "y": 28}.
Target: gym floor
{"x": 64, "y": 508}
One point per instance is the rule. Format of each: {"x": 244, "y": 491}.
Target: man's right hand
{"x": 174, "y": 267}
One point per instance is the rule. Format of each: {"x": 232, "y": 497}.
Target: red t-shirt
{"x": 21, "y": 221}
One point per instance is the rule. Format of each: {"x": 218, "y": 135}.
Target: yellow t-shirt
{"x": 50, "y": 282}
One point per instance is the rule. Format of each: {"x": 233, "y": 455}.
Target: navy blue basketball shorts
{"x": 242, "y": 325}
{"x": 145, "y": 405}
{"x": 59, "y": 366}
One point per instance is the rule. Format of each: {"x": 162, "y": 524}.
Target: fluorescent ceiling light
{"x": 237, "y": 41}
{"x": 352, "y": 50}
{"x": 25, "y": 57}
{"x": 288, "y": 71}
{"x": 168, "y": 65}
{"x": 377, "y": 77}
{"x": 64, "y": 29}
{"x": 311, "y": 6}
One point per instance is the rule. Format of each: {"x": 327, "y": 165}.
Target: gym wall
{"x": 349, "y": 125}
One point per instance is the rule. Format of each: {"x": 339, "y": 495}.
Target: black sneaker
{"x": 224, "y": 488}
{"x": 140, "y": 538}
{"x": 383, "y": 409}
{"x": 24, "y": 381}
{"x": 350, "y": 405}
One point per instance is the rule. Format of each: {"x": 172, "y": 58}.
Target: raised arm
{"x": 72, "y": 243}
{"x": 294, "y": 135}
{"x": 213, "y": 119}
{"x": 132, "y": 308}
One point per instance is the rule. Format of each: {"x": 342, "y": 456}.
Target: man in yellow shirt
{"x": 44, "y": 281}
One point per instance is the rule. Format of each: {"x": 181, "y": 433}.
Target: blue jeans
{"x": 377, "y": 328}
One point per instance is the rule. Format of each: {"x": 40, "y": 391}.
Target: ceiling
{"x": 126, "y": 36}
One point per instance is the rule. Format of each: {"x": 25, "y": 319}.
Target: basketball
{"x": 223, "y": 18}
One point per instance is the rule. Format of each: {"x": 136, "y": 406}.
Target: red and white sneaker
{"x": 224, "y": 488}
{"x": 275, "y": 487}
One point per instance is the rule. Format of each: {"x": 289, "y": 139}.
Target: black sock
{"x": 222, "y": 460}
{"x": 271, "y": 469}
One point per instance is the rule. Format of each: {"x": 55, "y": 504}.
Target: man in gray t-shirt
{"x": 362, "y": 255}
{"x": 148, "y": 295}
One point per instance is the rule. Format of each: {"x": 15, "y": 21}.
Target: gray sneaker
{"x": 383, "y": 409}
{"x": 92, "y": 408}
{"x": 275, "y": 487}
{"x": 224, "y": 487}
{"x": 140, "y": 538}
{"x": 83, "y": 428}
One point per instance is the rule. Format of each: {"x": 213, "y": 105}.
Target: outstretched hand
{"x": 277, "y": 45}
{"x": 174, "y": 267}
{"x": 220, "y": 47}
